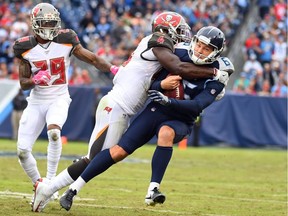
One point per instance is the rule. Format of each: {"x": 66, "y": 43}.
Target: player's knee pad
{"x": 54, "y": 134}
{"x": 23, "y": 154}
{"x": 78, "y": 167}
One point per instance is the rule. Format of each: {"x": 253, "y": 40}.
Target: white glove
{"x": 158, "y": 97}
{"x": 220, "y": 95}
{"x": 222, "y": 76}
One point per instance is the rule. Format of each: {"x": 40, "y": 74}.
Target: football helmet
{"x": 173, "y": 24}
{"x": 211, "y": 36}
{"x": 46, "y": 21}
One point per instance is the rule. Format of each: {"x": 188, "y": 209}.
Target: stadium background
{"x": 112, "y": 29}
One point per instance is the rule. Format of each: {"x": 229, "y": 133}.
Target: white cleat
{"x": 40, "y": 198}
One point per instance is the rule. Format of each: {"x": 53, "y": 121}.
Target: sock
{"x": 78, "y": 184}
{"x": 62, "y": 180}
{"x": 101, "y": 162}
{"x": 53, "y": 152}
{"x": 160, "y": 161}
{"x": 152, "y": 185}
{"x": 29, "y": 164}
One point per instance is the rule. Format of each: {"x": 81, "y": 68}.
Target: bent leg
{"x": 31, "y": 124}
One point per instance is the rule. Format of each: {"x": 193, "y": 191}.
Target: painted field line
{"x": 18, "y": 195}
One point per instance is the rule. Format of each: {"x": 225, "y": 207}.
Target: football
{"x": 177, "y": 93}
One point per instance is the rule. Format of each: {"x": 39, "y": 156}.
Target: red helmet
{"x": 173, "y": 24}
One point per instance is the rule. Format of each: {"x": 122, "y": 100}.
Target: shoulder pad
{"x": 226, "y": 65}
{"x": 67, "y": 36}
{"x": 160, "y": 40}
{"x": 23, "y": 44}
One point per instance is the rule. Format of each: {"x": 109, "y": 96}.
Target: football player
{"x": 129, "y": 93}
{"x": 44, "y": 64}
{"x": 174, "y": 119}
{"x": 165, "y": 116}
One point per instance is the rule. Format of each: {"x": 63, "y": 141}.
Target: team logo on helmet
{"x": 168, "y": 18}
{"x": 35, "y": 11}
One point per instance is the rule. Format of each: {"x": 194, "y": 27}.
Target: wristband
{"x": 114, "y": 69}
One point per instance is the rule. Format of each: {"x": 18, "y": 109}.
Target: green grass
{"x": 206, "y": 181}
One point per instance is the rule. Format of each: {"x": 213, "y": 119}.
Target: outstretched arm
{"x": 186, "y": 70}
{"x": 87, "y": 56}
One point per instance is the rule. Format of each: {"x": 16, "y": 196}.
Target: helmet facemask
{"x": 46, "y": 22}
{"x": 181, "y": 33}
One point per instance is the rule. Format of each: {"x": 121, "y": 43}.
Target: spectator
{"x": 280, "y": 89}
{"x": 269, "y": 74}
{"x": 267, "y": 48}
{"x": 252, "y": 44}
{"x": 280, "y": 50}
{"x": 264, "y": 7}
{"x": 252, "y": 66}
{"x": 103, "y": 27}
{"x": 241, "y": 84}
{"x": 266, "y": 89}
{"x": 252, "y": 87}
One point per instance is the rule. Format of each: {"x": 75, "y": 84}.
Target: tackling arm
{"x": 25, "y": 77}
{"x": 187, "y": 70}
{"x": 87, "y": 56}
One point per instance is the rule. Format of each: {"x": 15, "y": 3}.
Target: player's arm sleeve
{"x": 156, "y": 83}
{"x": 201, "y": 101}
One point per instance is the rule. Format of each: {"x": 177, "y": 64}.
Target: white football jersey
{"x": 133, "y": 79}
{"x": 54, "y": 57}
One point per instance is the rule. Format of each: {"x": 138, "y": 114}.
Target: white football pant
{"x": 32, "y": 122}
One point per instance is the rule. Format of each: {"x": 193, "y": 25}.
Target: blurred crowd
{"x": 265, "y": 50}
{"x": 113, "y": 28}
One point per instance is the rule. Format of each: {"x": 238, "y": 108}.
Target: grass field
{"x": 206, "y": 181}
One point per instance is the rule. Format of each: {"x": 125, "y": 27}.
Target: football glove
{"x": 222, "y": 76}
{"x": 42, "y": 77}
{"x": 220, "y": 95}
{"x": 158, "y": 97}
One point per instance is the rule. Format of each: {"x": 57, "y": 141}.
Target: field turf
{"x": 204, "y": 181}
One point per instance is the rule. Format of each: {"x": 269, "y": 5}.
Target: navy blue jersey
{"x": 199, "y": 93}
{"x": 179, "y": 115}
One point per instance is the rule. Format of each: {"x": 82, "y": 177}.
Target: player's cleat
{"x": 155, "y": 197}
{"x": 40, "y": 199}
{"x": 34, "y": 189}
{"x": 66, "y": 199}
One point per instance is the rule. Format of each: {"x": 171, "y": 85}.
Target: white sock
{"x": 62, "y": 180}
{"x": 78, "y": 184}
{"x": 152, "y": 185}
{"x": 29, "y": 165}
{"x": 53, "y": 152}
